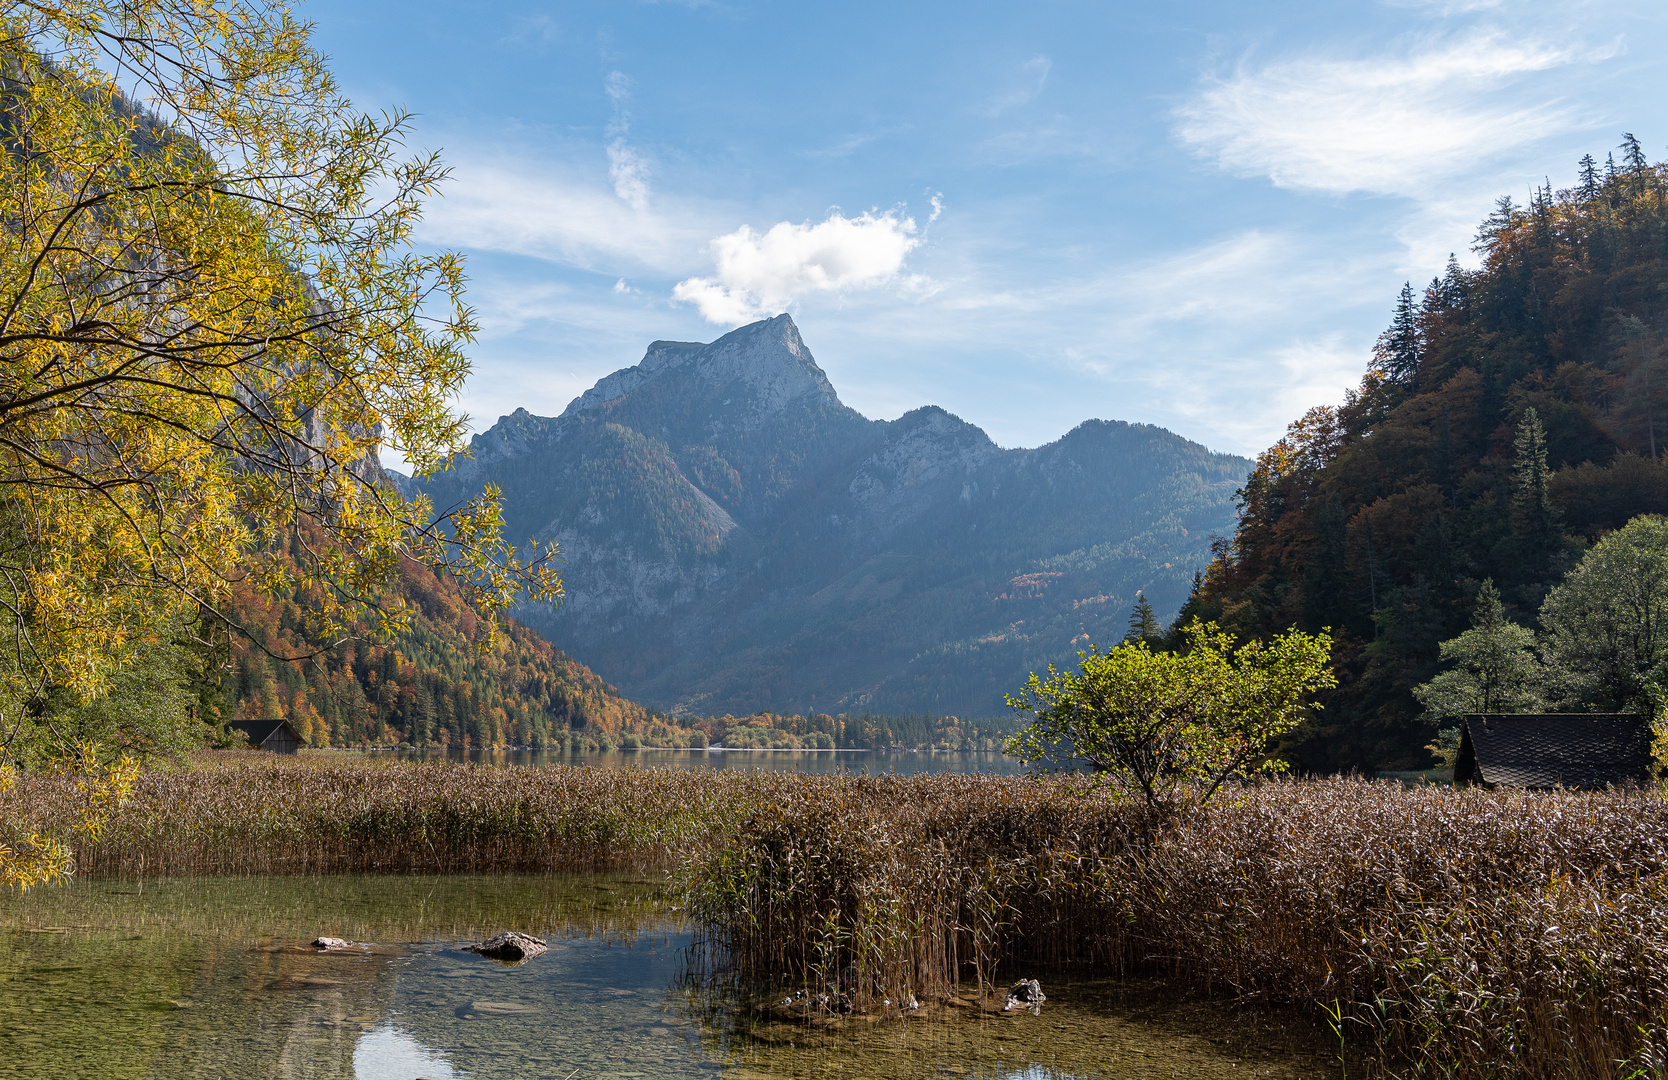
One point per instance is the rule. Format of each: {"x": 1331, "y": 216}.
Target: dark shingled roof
{"x": 259, "y": 731}
{"x": 1576, "y": 750}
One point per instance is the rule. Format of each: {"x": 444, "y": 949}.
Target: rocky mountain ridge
{"x": 737, "y": 539}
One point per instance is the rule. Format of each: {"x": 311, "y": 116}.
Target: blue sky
{"x": 1193, "y": 214}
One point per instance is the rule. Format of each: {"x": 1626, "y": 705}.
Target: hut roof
{"x": 259, "y": 731}
{"x": 1543, "y": 750}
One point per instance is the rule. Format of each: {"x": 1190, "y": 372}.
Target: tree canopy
{"x": 1606, "y": 624}
{"x": 1495, "y": 667}
{"x": 1173, "y": 727}
{"x": 211, "y": 322}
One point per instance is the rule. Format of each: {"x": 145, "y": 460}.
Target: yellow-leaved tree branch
{"x": 212, "y": 320}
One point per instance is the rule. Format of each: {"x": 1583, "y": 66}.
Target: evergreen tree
{"x": 1496, "y": 224}
{"x": 1143, "y": 622}
{"x": 1398, "y": 349}
{"x": 1456, "y": 286}
{"x": 1534, "y": 519}
{"x": 1590, "y": 187}
{"x": 1633, "y": 156}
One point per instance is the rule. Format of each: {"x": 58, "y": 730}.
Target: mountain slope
{"x": 427, "y": 684}
{"x": 737, "y": 539}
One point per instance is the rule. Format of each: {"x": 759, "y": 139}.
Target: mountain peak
{"x": 767, "y": 358}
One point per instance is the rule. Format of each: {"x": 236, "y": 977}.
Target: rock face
{"x": 509, "y": 947}
{"x": 737, "y": 539}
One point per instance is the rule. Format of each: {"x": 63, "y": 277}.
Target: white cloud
{"x": 1385, "y": 125}
{"x": 759, "y": 273}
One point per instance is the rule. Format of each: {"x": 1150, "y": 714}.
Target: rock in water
{"x": 1026, "y": 993}
{"x": 326, "y": 944}
{"x": 509, "y": 947}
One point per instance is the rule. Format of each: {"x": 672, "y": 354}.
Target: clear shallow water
{"x": 874, "y": 761}
{"x": 211, "y": 978}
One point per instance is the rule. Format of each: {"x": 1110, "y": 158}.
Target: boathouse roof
{"x": 279, "y": 735}
{"x": 1546, "y": 750}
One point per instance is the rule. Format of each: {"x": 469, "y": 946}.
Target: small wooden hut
{"x": 279, "y": 736}
{"x": 1546, "y": 750}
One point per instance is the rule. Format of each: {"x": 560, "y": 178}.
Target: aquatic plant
{"x": 258, "y": 814}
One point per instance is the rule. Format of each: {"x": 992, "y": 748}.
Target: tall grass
{"x": 263, "y": 815}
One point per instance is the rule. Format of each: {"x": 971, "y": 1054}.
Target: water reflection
{"x": 906, "y": 762}
{"x": 212, "y": 978}
{"x": 387, "y": 1053}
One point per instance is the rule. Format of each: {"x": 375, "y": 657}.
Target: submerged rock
{"x": 1026, "y": 993}
{"x": 509, "y": 947}
{"x": 326, "y": 944}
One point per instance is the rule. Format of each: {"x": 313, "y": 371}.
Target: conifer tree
{"x": 1398, "y": 349}
{"x": 1633, "y": 156}
{"x": 1534, "y": 518}
{"x": 1456, "y": 288}
{"x": 1504, "y": 215}
{"x": 1590, "y": 186}
{"x": 1143, "y": 621}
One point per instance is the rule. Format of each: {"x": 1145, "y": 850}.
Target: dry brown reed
{"x": 1468, "y": 933}
{"x": 262, "y": 815}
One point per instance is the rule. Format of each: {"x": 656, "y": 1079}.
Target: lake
{"x": 163, "y": 979}
{"x": 822, "y": 761}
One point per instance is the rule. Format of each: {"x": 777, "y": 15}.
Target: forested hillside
{"x": 1381, "y": 517}
{"x": 427, "y": 684}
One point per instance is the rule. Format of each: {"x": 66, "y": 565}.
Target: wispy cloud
{"x": 759, "y": 273}
{"x": 1391, "y": 124}
{"x": 1021, "y": 86}
{"x": 626, "y": 166}
{"x": 545, "y": 211}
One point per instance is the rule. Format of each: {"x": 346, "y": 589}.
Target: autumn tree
{"x": 1170, "y": 728}
{"x": 211, "y": 322}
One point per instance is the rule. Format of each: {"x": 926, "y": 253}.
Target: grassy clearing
{"x": 1460, "y": 932}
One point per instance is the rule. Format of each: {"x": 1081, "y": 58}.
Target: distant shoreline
{"x": 667, "y": 749}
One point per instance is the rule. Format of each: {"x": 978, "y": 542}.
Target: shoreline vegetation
{"x": 757, "y": 731}
{"x": 1455, "y": 932}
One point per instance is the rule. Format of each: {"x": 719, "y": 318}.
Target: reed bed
{"x": 266, "y": 816}
{"x": 1465, "y": 933}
